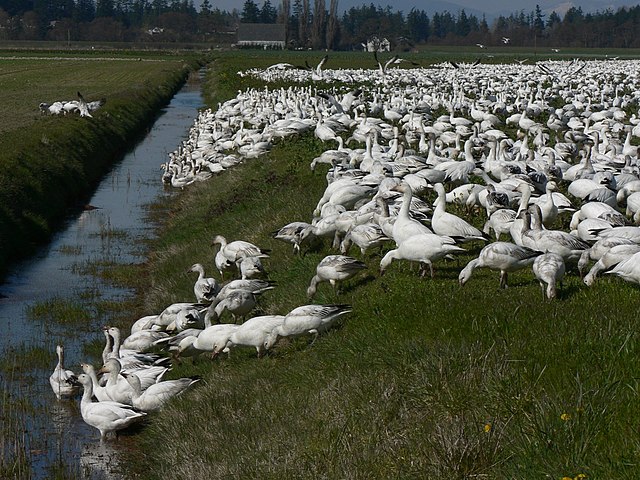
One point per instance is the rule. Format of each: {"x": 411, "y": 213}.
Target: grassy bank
{"x": 424, "y": 379}
{"x": 50, "y": 163}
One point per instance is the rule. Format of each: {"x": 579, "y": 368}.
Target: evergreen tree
{"x": 268, "y": 13}
{"x": 538, "y": 21}
{"x": 250, "y": 12}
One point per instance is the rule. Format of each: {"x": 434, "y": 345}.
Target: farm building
{"x": 264, "y": 35}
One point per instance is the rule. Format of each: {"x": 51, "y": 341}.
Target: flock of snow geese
{"x": 500, "y": 141}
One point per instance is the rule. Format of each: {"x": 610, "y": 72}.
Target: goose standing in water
{"x": 107, "y": 417}
{"x": 504, "y": 256}
{"x": 334, "y": 269}
{"x": 63, "y": 381}
{"x": 549, "y": 269}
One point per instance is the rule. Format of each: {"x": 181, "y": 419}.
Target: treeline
{"x": 311, "y": 24}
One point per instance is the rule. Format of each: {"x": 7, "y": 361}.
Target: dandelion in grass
{"x": 487, "y": 428}
{"x": 565, "y": 417}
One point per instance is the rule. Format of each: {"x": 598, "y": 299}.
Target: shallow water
{"x": 55, "y": 436}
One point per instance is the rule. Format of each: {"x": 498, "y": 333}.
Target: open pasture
{"x": 425, "y": 378}
{"x": 29, "y": 78}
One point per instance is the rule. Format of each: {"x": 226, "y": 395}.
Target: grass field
{"x": 49, "y": 162}
{"x": 29, "y": 78}
{"x": 424, "y": 379}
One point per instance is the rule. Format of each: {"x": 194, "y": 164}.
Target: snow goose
{"x": 106, "y": 416}
{"x": 63, "y": 382}
{"x": 99, "y": 391}
{"x": 425, "y": 248}
{"x": 250, "y": 267}
{"x": 504, "y": 256}
{"x": 557, "y": 241}
{"x": 549, "y": 270}
{"x": 404, "y": 226}
{"x": 158, "y": 394}
{"x": 310, "y": 319}
{"x": 238, "y": 302}
{"x": 365, "y": 236}
{"x": 205, "y": 288}
{"x": 212, "y": 339}
{"x": 628, "y": 269}
{"x": 256, "y": 332}
{"x": 128, "y": 358}
{"x": 444, "y": 223}
{"x": 598, "y": 249}
{"x": 292, "y": 233}
{"x": 334, "y": 269}
{"x": 233, "y": 251}
{"x": 118, "y": 389}
{"x": 613, "y": 256}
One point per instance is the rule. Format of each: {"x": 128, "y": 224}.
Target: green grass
{"x": 50, "y": 163}
{"x": 424, "y": 379}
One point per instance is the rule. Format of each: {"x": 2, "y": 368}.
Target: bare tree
{"x": 284, "y": 18}
{"x": 303, "y": 23}
{"x": 333, "y": 26}
{"x": 318, "y": 25}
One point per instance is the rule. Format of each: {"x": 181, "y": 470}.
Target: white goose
{"x": 557, "y": 241}
{"x": 424, "y": 248}
{"x": 504, "y": 256}
{"x": 628, "y": 269}
{"x": 234, "y": 251}
{"x": 212, "y": 339}
{"x": 238, "y": 302}
{"x": 63, "y": 382}
{"x": 206, "y": 288}
{"x": 107, "y": 417}
{"x": 256, "y": 332}
{"x": 549, "y": 269}
{"x": 158, "y": 394}
{"x": 444, "y": 223}
{"x": 404, "y": 226}
{"x": 310, "y": 319}
{"x": 292, "y": 233}
{"x": 613, "y": 256}
{"x": 334, "y": 269}
{"x": 98, "y": 390}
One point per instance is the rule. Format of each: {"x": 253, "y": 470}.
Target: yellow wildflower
{"x": 487, "y": 428}
{"x": 565, "y": 417}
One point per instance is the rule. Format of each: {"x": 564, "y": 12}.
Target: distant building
{"x": 375, "y": 44}
{"x": 261, "y": 35}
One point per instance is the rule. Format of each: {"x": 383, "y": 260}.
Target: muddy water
{"x": 50, "y": 434}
